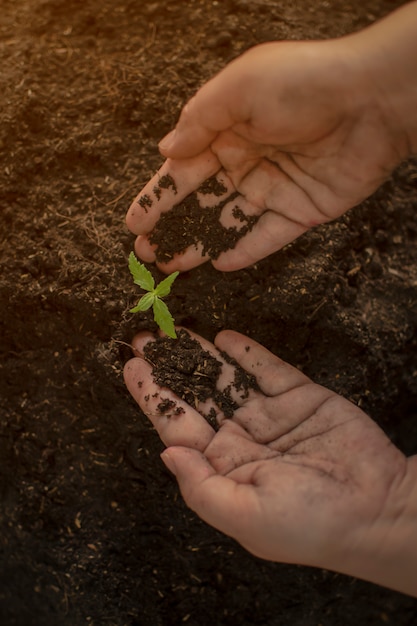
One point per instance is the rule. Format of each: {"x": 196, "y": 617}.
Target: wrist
{"x": 384, "y": 551}
{"x": 386, "y": 56}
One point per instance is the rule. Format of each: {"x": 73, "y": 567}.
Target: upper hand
{"x": 297, "y": 128}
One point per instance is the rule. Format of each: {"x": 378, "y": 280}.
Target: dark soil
{"x": 93, "y": 530}
{"x": 192, "y": 374}
{"x": 186, "y": 224}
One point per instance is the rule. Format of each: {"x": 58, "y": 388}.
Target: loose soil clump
{"x": 193, "y": 375}
{"x": 189, "y": 224}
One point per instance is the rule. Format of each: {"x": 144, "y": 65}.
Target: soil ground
{"x": 93, "y": 530}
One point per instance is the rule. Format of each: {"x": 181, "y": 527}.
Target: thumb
{"x": 216, "y": 106}
{"x": 191, "y": 136}
{"x": 218, "y": 500}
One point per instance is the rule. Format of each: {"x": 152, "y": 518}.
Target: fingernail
{"x": 168, "y": 462}
{"x": 167, "y": 141}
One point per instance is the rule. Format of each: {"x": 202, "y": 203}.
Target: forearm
{"x": 387, "y": 51}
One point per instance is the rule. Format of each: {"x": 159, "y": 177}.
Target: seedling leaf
{"x": 164, "y": 287}
{"x": 144, "y": 303}
{"x": 143, "y": 278}
{"x": 163, "y": 318}
{"x": 141, "y": 275}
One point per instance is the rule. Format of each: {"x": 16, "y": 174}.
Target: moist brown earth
{"x": 93, "y": 530}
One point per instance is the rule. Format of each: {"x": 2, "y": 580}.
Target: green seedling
{"x": 154, "y": 295}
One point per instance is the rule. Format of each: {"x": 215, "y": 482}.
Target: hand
{"x": 297, "y": 475}
{"x": 298, "y": 129}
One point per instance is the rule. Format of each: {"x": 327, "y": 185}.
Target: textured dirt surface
{"x": 93, "y": 530}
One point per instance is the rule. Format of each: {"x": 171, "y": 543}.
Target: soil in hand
{"x": 192, "y": 373}
{"x": 189, "y": 224}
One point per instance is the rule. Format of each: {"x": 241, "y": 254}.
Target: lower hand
{"x": 297, "y": 475}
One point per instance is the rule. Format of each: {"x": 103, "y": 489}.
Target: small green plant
{"x": 154, "y": 295}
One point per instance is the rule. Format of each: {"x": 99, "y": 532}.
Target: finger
{"x": 268, "y": 185}
{"x": 226, "y": 383}
{"x": 207, "y": 408}
{"x": 292, "y": 409}
{"x": 224, "y": 101}
{"x": 218, "y": 500}
{"x": 144, "y": 249}
{"x": 269, "y": 234}
{"x": 174, "y": 420}
{"x": 161, "y": 401}
{"x": 173, "y": 182}
{"x": 273, "y": 375}
{"x": 215, "y": 107}
{"x": 282, "y": 421}
{"x": 235, "y": 213}
{"x": 237, "y": 216}
{"x": 140, "y": 340}
{"x": 234, "y": 447}
{"x": 233, "y": 381}
{"x": 189, "y": 137}
{"x": 190, "y": 258}
{"x": 274, "y": 179}
{"x": 287, "y": 211}
{"x": 182, "y": 234}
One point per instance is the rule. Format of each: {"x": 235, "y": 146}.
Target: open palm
{"x": 298, "y": 474}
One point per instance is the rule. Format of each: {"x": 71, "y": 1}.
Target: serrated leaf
{"x": 164, "y": 286}
{"x": 144, "y": 303}
{"x": 141, "y": 275}
{"x": 163, "y": 318}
